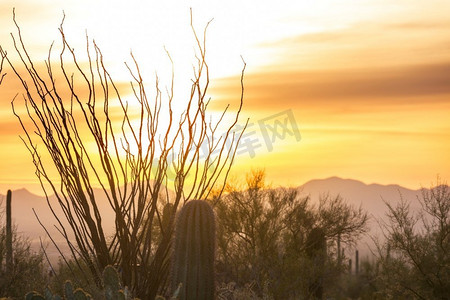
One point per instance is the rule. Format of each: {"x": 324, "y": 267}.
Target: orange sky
{"x": 367, "y": 82}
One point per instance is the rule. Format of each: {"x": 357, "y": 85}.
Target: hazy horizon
{"x": 39, "y": 192}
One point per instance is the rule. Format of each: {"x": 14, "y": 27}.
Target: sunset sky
{"x": 366, "y": 83}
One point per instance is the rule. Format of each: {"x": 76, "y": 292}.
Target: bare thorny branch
{"x": 3, "y": 57}
{"x": 131, "y": 165}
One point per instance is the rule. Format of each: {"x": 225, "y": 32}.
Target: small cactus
{"x": 193, "y": 257}
{"x": 80, "y": 294}
{"x": 357, "y": 262}
{"x": 316, "y": 247}
{"x": 48, "y": 295}
{"x": 9, "y": 249}
{"x": 34, "y": 296}
{"x": 111, "y": 281}
{"x": 68, "y": 290}
{"x": 112, "y": 284}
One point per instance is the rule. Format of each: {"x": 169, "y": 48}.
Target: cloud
{"x": 361, "y": 33}
{"x": 419, "y": 25}
{"x": 356, "y": 67}
{"x": 390, "y": 85}
{"x": 381, "y": 43}
{"x": 13, "y": 86}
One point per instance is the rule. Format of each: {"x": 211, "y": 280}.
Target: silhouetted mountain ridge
{"x": 370, "y": 196}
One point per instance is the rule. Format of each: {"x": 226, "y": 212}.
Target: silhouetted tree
{"x": 270, "y": 237}
{"x": 415, "y": 258}
{"x": 78, "y": 122}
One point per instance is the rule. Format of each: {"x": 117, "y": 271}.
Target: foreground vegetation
{"x": 243, "y": 241}
{"x": 273, "y": 243}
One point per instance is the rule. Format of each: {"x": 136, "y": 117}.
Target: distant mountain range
{"x": 370, "y": 196}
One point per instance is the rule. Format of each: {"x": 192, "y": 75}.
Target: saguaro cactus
{"x": 9, "y": 250}
{"x": 339, "y": 252}
{"x": 316, "y": 247}
{"x": 193, "y": 257}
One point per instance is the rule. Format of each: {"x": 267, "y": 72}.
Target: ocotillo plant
{"x": 9, "y": 250}
{"x": 316, "y": 250}
{"x": 193, "y": 257}
{"x": 167, "y": 214}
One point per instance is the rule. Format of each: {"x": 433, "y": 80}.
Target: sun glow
{"x": 367, "y": 81}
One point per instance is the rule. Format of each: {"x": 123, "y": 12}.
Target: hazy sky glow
{"x": 367, "y": 81}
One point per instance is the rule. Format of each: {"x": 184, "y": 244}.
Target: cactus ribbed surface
{"x": 193, "y": 257}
